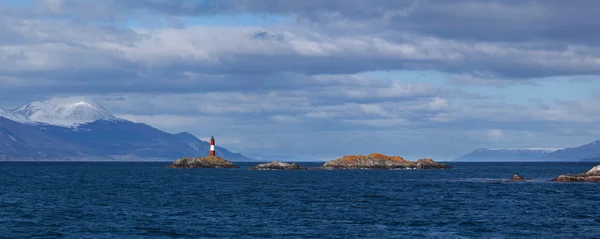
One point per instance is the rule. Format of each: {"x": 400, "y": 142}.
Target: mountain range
{"x": 589, "y": 152}
{"x": 78, "y": 129}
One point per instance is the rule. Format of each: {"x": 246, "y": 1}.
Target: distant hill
{"x": 506, "y": 155}
{"x": 587, "y": 152}
{"x": 76, "y": 129}
{"x": 591, "y": 160}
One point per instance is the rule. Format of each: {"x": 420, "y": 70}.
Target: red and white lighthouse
{"x": 212, "y": 146}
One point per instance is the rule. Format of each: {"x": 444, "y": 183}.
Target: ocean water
{"x": 146, "y": 200}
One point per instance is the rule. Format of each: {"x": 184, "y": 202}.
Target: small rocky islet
{"x": 593, "y": 175}
{"x": 278, "y": 165}
{"x": 204, "y": 162}
{"x": 517, "y": 178}
{"x": 381, "y": 161}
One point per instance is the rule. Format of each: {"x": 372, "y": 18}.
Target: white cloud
{"x": 495, "y": 134}
{"x": 372, "y": 109}
{"x": 284, "y": 119}
{"x": 321, "y": 115}
{"x": 438, "y": 103}
{"x": 54, "y": 5}
{"x": 381, "y": 122}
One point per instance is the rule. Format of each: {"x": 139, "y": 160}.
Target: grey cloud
{"x": 142, "y": 56}
{"x": 419, "y": 113}
{"x": 133, "y": 55}
{"x": 293, "y": 100}
{"x": 521, "y": 21}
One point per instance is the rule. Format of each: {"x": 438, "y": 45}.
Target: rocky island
{"x": 277, "y": 165}
{"x": 204, "y": 162}
{"x": 590, "y": 176}
{"x": 381, "y": 161}
{"x": 516, "y": 178}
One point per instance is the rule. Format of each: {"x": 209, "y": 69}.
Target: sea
{"x": 147, "y": 200}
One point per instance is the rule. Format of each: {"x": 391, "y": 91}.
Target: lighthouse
{"x": 212, "y": 146}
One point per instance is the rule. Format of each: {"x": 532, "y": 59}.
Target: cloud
{"x": 517, "y": 21}
{"x": 495, "y": 134}
{"x": 120, "y": 52}
{"x": 302, "y": 80}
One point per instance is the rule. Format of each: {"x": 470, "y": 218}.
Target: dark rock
{"x": 277, "y": 165}
{"x": 205, "y": 162}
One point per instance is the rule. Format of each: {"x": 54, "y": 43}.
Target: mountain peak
{"x": 63, "y": 111}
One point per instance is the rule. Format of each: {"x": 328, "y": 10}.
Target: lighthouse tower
{"x": 212, "y": 146}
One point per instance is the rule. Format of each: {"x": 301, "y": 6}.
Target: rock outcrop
{"x": 517, "y": 177}
{"x": 428, "y": 163}
{"x": 277, "y": 165}
{"x": 590, "y": 176}
{"x": 381, "y": 161}
{"x": 204, "y": 162}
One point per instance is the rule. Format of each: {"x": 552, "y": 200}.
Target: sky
{"x": 319, "y": 79}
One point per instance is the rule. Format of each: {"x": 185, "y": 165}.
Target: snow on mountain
{"x": 7, "y": 114}
{"x": 545, "y": 150}
{"x": 4, "y": 114}
{"x": 514, "y": 154}
{"x": 66, "y": 112}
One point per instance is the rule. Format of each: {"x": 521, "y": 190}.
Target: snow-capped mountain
{"x": 66, "y": 112}
{"x": 498, "y": 155}
{"x": 78, "y": 129}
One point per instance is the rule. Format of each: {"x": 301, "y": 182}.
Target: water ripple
{"x": 145, "y": 200}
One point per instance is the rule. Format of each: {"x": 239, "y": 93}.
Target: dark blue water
{"x": 146, "y": 200}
